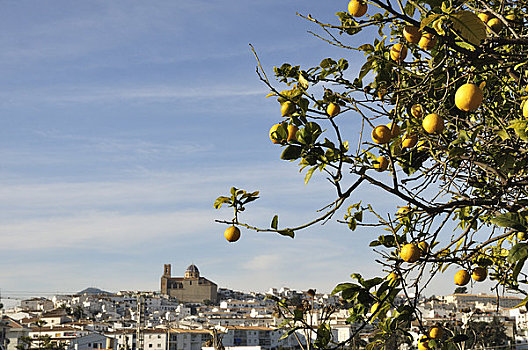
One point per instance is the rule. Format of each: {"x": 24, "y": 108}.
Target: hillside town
{"x": 192, "y": 313}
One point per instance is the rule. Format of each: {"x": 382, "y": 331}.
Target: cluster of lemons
{"x": 435, "y": 332}
{"x": 468, "y": 98}
{"x": 287, "y": 109}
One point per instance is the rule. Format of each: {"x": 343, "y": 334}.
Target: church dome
{"x": 192, "y": 272}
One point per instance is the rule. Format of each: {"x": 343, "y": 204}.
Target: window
{"x": 150, "y": 345}
{"x": 159, "y": 345}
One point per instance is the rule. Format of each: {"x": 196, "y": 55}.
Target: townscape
{"x": 192, "y": 312}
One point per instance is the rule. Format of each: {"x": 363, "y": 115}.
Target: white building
{"x": 89, "y": 342}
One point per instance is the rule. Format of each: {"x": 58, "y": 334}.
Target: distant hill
{"x": 92, "y": 290}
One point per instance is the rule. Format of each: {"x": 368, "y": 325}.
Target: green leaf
{"x": 372, "y": 282}
{"x": 409, "y": 9}
{"x": 287, "y": 232}
{"x": 275, "y": 222}
{"x": 342, "y": 287}
{"x": 327, "y": 63}
{"x": 309, "y": 175}
{"x": 288, "y": 333}
{"x": 518, "y": 252}
{"x": 469, "y": 26}
{"x": 303, "y": 82}
{"x": 513, "y": 220}
{"x": 291, "y": 152}
{"x": 323, "y": 336}
{"x": 428, "y": 20}
{"x": 517, "y": 269}
{"x": 522, "y": 303}
{"x": 503, "y": 134}
{"x": 221, "y": 200}
{"x": 367, "y": 67}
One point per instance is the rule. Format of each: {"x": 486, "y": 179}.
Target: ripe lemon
{"x": 462, "y": 278}
{"x": 468, "y": 97}
{"x": 427, "y": 41}
{"x": 423, "y": 343}
{"x": 521, "y": 236}
{"x": 357, "y": 8}
{"x": 410, "y": 253}
{"x": 417, "y": 111}
{"x": 436, "y": 332}
{"x": 525, "y": 109}
{"x": 382, "y": 165}
{"x": 395, "y": 130}
{"x": 381, "y": 134}
{"x": 398, "y": 52}
{"x": 232, "y": 233}
{"x": 485, "y": 16}
{"x": 273, "y": 135}
{"x": 292, "y": 132}
{"x": 433, "y": 124}
{"x": 333, "y": 109}
{"x": 495, "y": 24}
{"x": 479, "y": 274}
{"x": 287, "y": 108}
{"x": 412, "y": 34}
{"x": 409, "y": 141}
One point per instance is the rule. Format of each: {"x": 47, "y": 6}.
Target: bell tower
{"x": 167, "y": 270}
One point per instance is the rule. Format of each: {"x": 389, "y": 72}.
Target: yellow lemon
{"x": 412, "y": 34}
{"x": 468, "y": 97}
{"x": 427, "y": 41}
{"x": 409, "y": 141}
{"x": 423, "y": 343}
{"x": 287, "y": 108}
{"x": 479, "y": 274}
{"x": 292, "y": 132}
{"x": 410, "y": 253}
{"x": 462, "y": 278}
{"x": 495, "y": 24}
{"x": 382, "y": 165}
{"x": 381, "y": 134}
{"x": 395, "y": 130}
{"x": 436, "y": 332}
{"x": 273, "y": 135}
{"x": 398, "y": 52}
{"x": 232, "y": 233}
{"x": 357, "y": 8}
{"x": 433, "y": 124}
{"x": 485, "y": 16}
{"x": 333, "y": 109}
{"x": 525, "y": 109}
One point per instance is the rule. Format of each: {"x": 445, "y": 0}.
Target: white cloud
{"x": 153, "y": 93}
{"x": 102, "y": 231}
{"x": 265, "y": 262}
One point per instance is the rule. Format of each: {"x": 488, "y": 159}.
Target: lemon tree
{"x": 451, "y": 79}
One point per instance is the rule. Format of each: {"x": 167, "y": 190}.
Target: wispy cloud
{"x": 102, "y": 231}
{"x": 154, "y": 93}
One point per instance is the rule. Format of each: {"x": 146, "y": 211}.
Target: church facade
{"x": 192, "y": 288}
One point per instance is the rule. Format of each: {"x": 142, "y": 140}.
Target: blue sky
{"x": 122, "y": 121}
